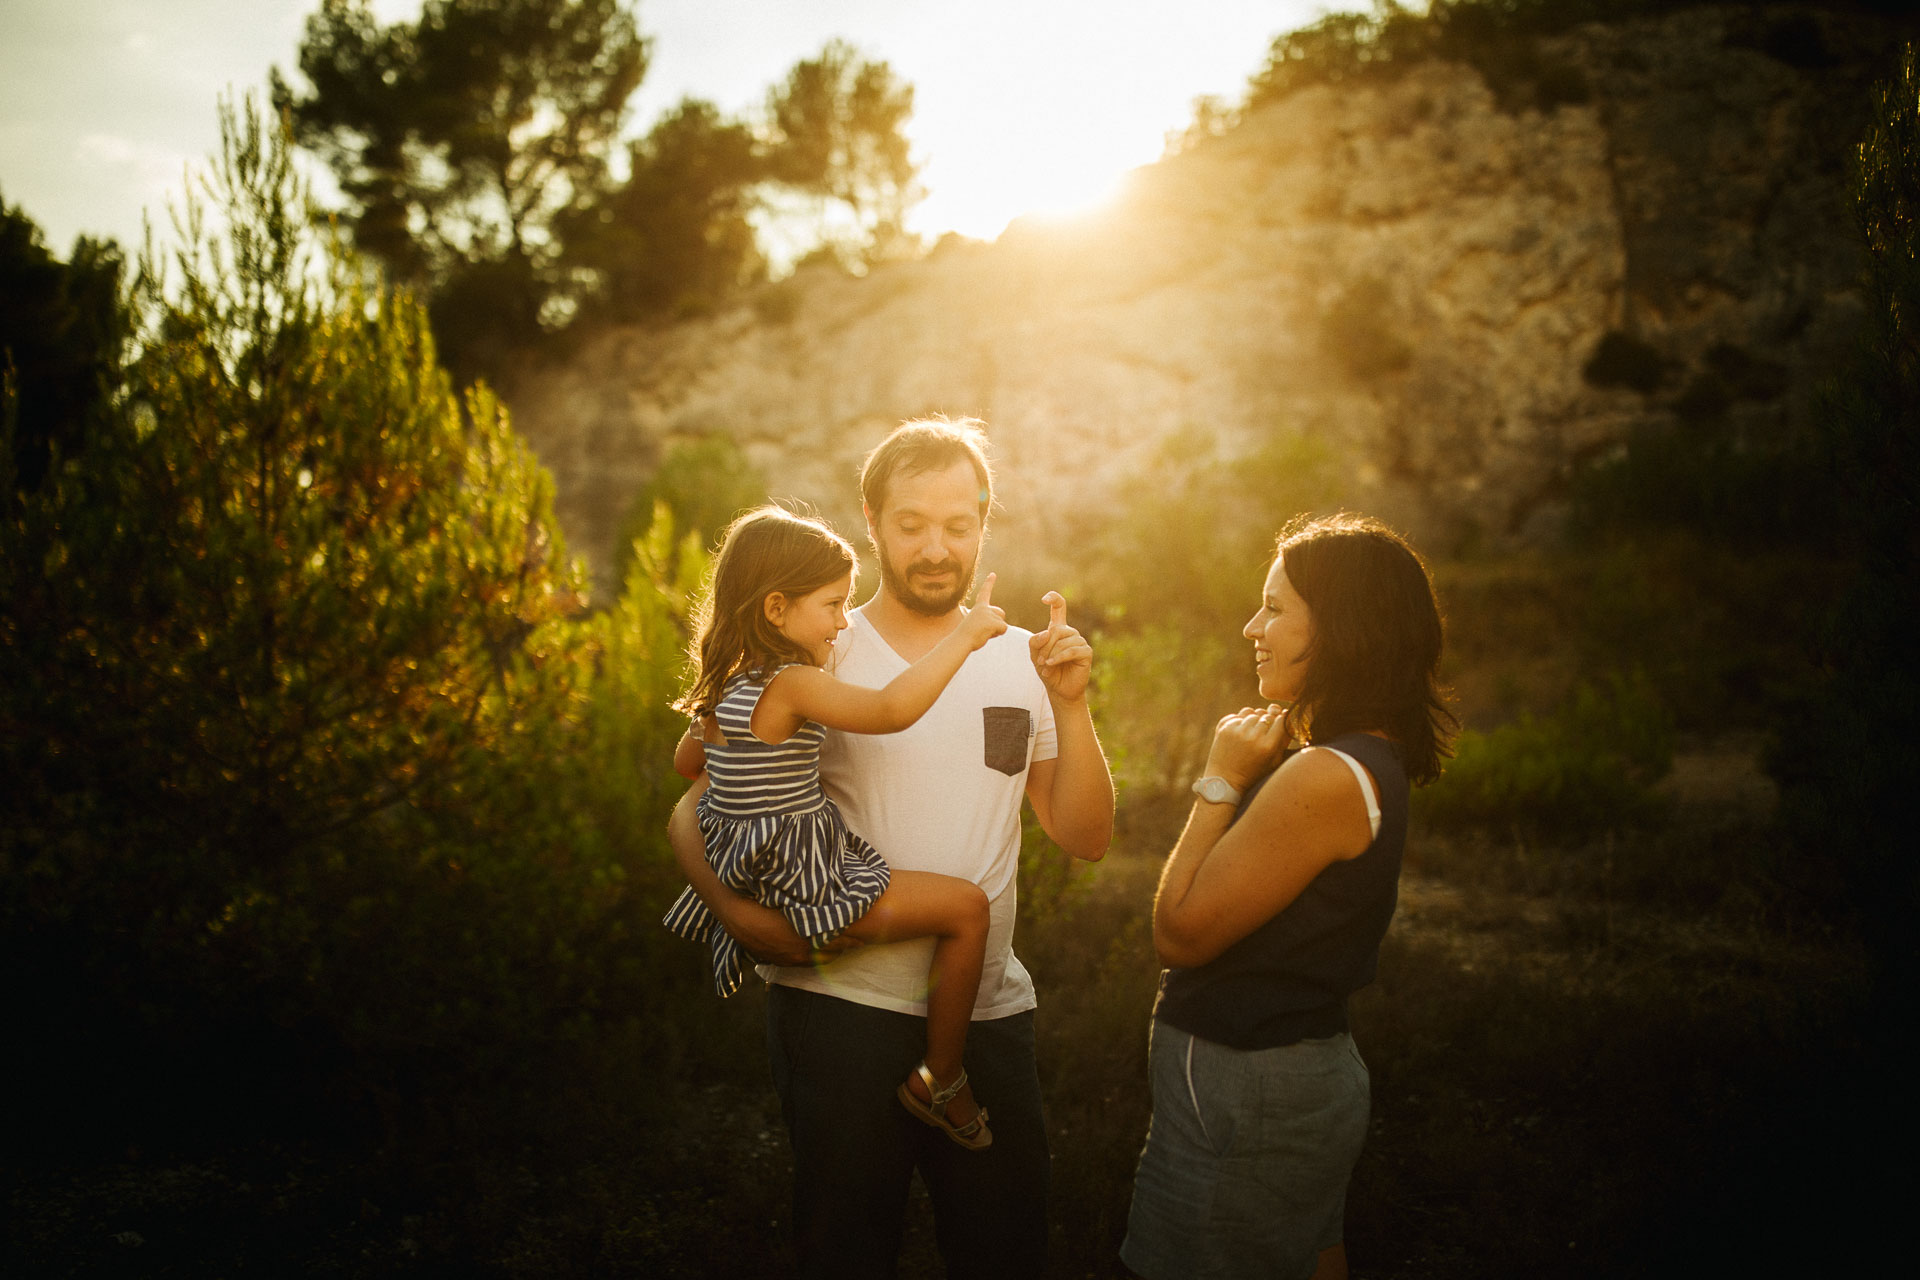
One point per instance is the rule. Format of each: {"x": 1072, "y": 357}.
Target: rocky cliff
{"x": 1461, "y": 285}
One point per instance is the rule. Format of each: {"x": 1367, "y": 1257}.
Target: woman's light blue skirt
{"x": 1247, "y": 1158}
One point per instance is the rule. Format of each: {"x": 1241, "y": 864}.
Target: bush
{"x": 702, "y": 484}
{"x": 311, "y": 763}
{"x": 1174, "y": 579}
{"x": 1589, "y": 767}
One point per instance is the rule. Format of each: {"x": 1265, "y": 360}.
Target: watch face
{"x": 1214, "y": 790}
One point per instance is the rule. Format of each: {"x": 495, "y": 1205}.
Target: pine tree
{"x": 290, "y": 689}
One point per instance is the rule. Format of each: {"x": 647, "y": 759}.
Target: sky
{"x": 1020, "y": 105}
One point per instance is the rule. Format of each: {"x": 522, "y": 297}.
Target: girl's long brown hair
{"x": 766, "y": 550}
{"x": 1375, "y": 657}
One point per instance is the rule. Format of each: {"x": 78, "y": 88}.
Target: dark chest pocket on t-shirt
{"x": 1007, "y": 731}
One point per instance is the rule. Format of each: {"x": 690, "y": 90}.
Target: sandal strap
{"x": 941, "y": 1097}
{"x": 972, "y": 1127}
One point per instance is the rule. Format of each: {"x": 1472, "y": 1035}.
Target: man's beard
{"x": 926, "y": 602}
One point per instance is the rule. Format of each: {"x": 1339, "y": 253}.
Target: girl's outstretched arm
{"x": 803, "y": 693}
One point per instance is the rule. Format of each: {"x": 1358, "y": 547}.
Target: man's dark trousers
{"x": 836, "y": 1065}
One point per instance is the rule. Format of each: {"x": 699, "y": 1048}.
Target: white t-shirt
{"x": 941, "y": 795}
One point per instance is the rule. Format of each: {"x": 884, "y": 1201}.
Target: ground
{"x": 1613, "y": 1059}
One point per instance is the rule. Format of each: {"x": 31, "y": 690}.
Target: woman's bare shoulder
{"x": 1313, "y": 792}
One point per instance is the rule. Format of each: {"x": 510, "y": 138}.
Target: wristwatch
{"x": 1215, "y": 789}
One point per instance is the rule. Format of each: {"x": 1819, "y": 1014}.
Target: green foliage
{"x": 1498, "y": 38}
{"x": 305, "y": 740}
{"x": 1174, "y": 577}
{"x": 1704, "y": 477}
{"x": 1212, "y": 117}
{"x": 1587, "y": 768}
{"x": 1159, "y": 690}
{"x": 676, "y": 238}
{"x": 461, "y": 138}
{"x": 835, "y": 135}
{"x": 474, "y": 146}
{"x": 698, "y": 488}
{"x": 1051, "y": 885}
{"x": 1337, "y": 48}
{"x": 1700, "y": 471}
{"x": 61, "y": 330}
{"x": 640, "y": 652}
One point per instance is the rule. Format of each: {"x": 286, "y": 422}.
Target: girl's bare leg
{"x": 953, "y": 912}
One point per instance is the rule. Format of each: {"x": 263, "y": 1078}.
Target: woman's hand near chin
{"x": 1248, "y": 743}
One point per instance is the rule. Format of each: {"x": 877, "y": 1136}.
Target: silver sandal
{"x": 973, "y": 1135}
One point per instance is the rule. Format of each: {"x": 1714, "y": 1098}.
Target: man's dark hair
{"x": 926, "y": 444}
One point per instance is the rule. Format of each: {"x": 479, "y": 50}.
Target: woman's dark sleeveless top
{"x": 1289, "y": 979}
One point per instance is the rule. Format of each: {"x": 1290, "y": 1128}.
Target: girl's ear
{"x": 775, "y": 607}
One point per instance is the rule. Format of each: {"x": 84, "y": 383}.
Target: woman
{"x": 1271, "y": 909}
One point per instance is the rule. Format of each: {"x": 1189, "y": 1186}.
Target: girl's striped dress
{"x": 773, "y": 835}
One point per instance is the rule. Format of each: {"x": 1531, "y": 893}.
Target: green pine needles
{"x": 304, "y": 717}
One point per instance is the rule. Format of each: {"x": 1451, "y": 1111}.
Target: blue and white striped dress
{"x": 773, "y": 835}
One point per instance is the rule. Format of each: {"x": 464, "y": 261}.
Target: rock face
{"x": 1460, "y": 298}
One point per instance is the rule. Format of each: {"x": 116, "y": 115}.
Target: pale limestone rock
{"x": 1401, "y": 270}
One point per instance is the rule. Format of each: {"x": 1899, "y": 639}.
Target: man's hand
{"x": 1062, "y": 655}
{"x": 766, "y": 936}
{"x": 763, "y": 932}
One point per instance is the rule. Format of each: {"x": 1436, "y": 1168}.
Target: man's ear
{"x": 775, "y": 607}
{"x": 867, "y": 512}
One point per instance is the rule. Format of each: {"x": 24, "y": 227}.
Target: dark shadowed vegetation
{"x": 298, "y": 693}
{"x": 1501, "y": 39}
{"x": 60, "y": 332}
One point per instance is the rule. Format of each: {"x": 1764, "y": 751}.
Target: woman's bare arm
{"x": 1221, "y": 884}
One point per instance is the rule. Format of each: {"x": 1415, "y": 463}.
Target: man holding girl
{"x": 943, "y": 795}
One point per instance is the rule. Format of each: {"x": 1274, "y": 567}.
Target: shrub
{"x": 703, "y": 485}
{"x": 1498, "y": 38}
{"x": 1175, "y": 577}
{"x": 1587, "y": 768}
{"x": 309, "y": 758}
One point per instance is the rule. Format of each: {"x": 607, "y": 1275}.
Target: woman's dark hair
{"x": 766, "y": 550}
{"x": 1375, "y": 657}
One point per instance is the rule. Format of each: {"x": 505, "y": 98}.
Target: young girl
{"x": 760, "y": 700}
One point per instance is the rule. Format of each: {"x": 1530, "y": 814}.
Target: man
{"x": 844, "y": 1029}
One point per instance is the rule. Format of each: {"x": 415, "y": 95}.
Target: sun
{"x": 991, "y": 190}
{"x": 1038, "y": 138}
